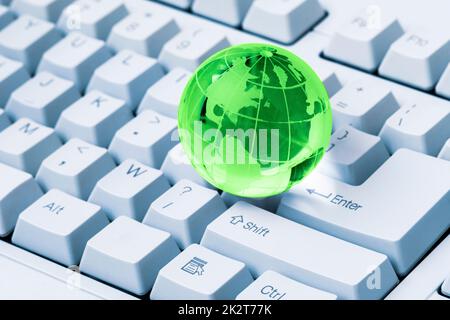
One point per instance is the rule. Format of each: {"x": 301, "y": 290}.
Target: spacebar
{"x": 27, "y": 276}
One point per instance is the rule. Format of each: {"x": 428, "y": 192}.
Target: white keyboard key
{"x": 445, "y": 152}
{"x": 266, "y": 203}
{"x": 329, "y": 79}
{"x": 427, "y": 278}
{"x": 17, "y": 191}
{"x": 401, "y": 210}
{"x": 128, "y": 254}
{"x": 421, "y": 126}
{"x": 6, "y": 16}
{"x": 363, "y": 105}
{"x": 42, "y": 99}
{"x": 25, "y": 144}
{"x": 75, "y": 58}
{"x": 58, "y": 226}
{"x": 231, "y": 12}
{"x": 75, "y": 168}
{"x": 177, "y": 166}
{"x": 165, "y": 95}
{"x": 184, "y": 211}
{"x": 365, "y": 39}
{"x": 26, "y": 39}
{"x": 129, "y": 190}
{"x": 353, "y": 156}
{"x": 12, "y": 75}
{"x": 143, "y": 32}
{"x": 95, "y": 18}
{"x": 283, "y": 20}
{"x": 274, "y": 286}
{"x": 417, "y": 59}
{"x": 190, "y": 48}
{"x": 201, "y": 274}
{"x": 443, "y": 87}
{"x": 95, "y": 118}
{"x": 147, "y": 138}
{"x": 126, "y": 76}
{"x": 183, "y": 4}
{"x": 265, "y": 241}
{"x": 27, "y": 276}
{"x": 4, "y": 120}
{"x": 42, "y": 9}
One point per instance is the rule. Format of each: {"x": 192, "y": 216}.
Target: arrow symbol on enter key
{"x": 313, "y": 191}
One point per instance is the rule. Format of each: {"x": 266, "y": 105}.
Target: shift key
{"x": 265, "y": 241}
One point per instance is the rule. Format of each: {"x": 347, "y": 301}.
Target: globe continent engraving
{"x": 254, "y": 120}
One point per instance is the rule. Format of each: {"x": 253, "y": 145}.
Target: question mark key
{"x": 185, "y": 210}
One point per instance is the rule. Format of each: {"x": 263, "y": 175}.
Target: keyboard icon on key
{"x": 195, "y": 266}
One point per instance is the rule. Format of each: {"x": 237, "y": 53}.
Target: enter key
{"x": 401, "y": 210}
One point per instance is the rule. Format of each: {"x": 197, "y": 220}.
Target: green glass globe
{"x": 254, "y": 120}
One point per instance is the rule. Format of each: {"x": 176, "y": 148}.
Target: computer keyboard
{"x": 99, "y": 201}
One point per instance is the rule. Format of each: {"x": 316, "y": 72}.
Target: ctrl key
{"x": 273, "y": 286}
{"x": 201, "y": 274}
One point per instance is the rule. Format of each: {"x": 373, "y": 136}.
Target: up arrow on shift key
{"x": 401, "y": 210}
